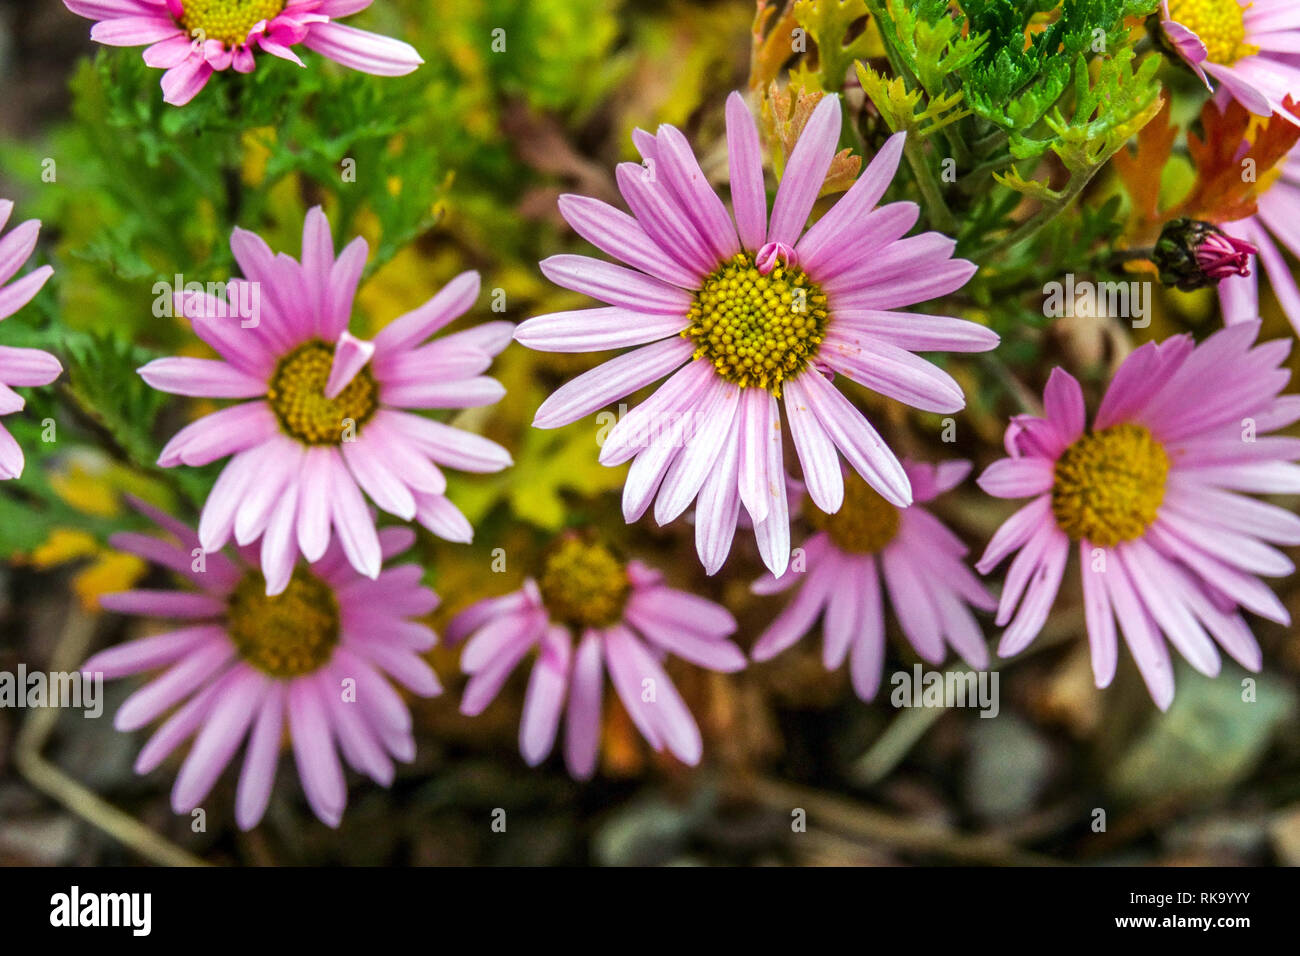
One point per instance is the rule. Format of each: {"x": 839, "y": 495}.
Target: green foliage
{"x": 828, "y": 23}
{"x": 1105, "y": 113}
{"x": 929, "y": 44}
{"x": 905, "y": 109}
{"x": 997, "y": 86}
{"x": 1013, "y": 84}
{"x": 553, "y": 42}
{"x": 102, "y": 379}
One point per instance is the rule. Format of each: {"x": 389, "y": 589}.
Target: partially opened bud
{"x": 1192, "y": 254}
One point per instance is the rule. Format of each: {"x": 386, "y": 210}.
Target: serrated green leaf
{"x": 103, "y": 381}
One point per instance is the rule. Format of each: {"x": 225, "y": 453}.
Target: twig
{"x": 936, "y": 207}
{"x": 1046, "y": 213}
{"x": 1026, "y": 399}
{"x": 897, "y": 740}
{"x": 877, "y": 827}
{"x": 894, "y": 744}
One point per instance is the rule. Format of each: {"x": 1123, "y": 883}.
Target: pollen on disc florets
{"x": 865, "y": 523}
{"x": 757, "y": 330}
{"x": 297, "y": 395}
{"x": 1220, "y": 26}
{"x": 287, "y": 635}
{"x": 1109, "y": 485}
{"x": 229, "y": 21}
{"x": 583, "y": 584}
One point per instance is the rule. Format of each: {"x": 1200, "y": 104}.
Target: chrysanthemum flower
{"x": 191, "y": 39}
{"x": 326, "y": 422}
{"x": 1150, "y": 498}
{"x": 19, "y": 366}
{"x": 622, "y": 618}
{"x": 1277, "y": 220}
{"x": 744, "y": 312}
{"x": 318, "y": 656}
{"x": 1244, "y": 44}
{"x": 930, "y": 586}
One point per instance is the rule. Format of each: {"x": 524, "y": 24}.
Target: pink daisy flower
{"x": 318, "y": 656}
{"x": 623, "y": 618}
{"x": 747, "y": 313}
{"x": 1244, "y": 44}
{"x": 1150, "y": 498}
{"x": 325, "y": 420}
{"x": 18, "y": 366}
{"x": 1277, "y": 220}
{"x": 191, "y": 39}
{"x": 930, "y": 586}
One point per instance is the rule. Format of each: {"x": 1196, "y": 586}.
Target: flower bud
{"x": 1192, "y": 254}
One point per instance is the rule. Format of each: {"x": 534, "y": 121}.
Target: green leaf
{"x": 828, "y": 23}
{"x": 1209, "y": 739}
{"x": 103, "y": 381}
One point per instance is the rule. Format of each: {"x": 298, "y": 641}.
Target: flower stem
{"x": 1049, "y": 211}
{"x": 936, "y": 207}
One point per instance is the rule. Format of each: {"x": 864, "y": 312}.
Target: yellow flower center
{"x": 757, "y": 330}
{"x": 297, "y": 396}
{"x": 583, "y": 584}
{"x": 1109, "y": 485}
{"x": 865, "y": 522}
{"x": 291, "y": 634}
{"x": 1219, "y": 24}
{"x": 226, "y": 20}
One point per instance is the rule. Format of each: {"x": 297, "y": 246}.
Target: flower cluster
{"x": 786, "y": 350}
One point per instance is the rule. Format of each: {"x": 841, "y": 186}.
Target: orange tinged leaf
{"x": 771, "y": 46}
{"x": 1140, "y": 169}
{"x": 785, "y": 113}
{"x": 1234, "y": 140}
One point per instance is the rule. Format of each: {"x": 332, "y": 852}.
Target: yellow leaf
{"x": 112, "y": 572}
{"x": 64, "y": 545}
{"x": 85, "y": 483}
